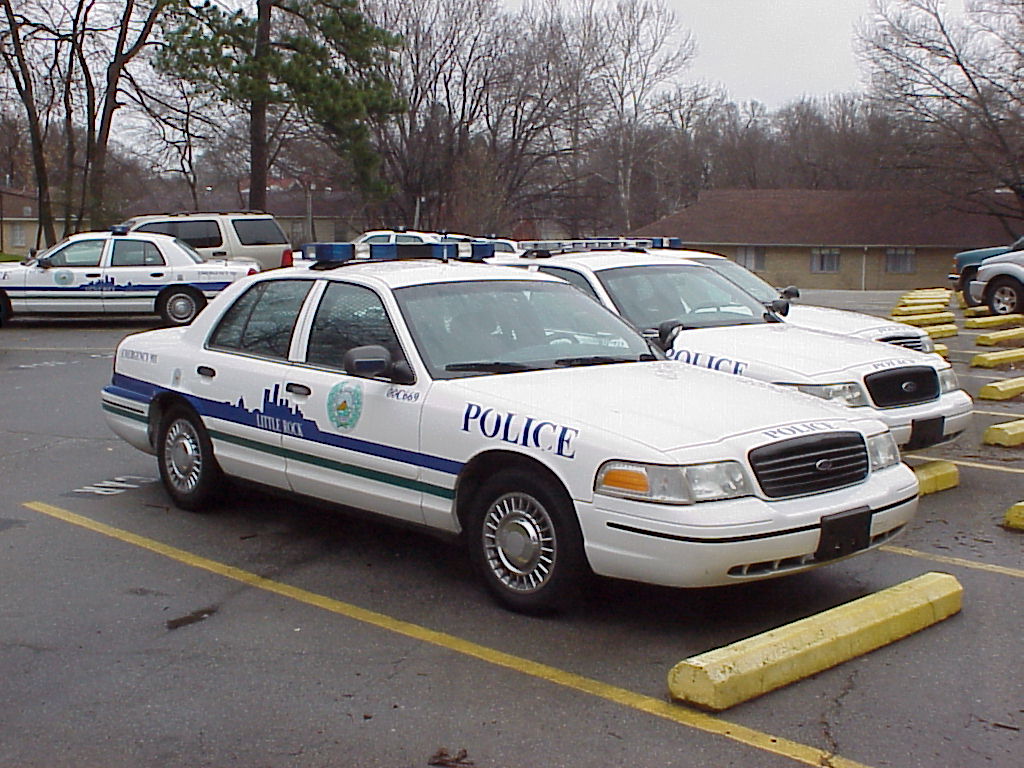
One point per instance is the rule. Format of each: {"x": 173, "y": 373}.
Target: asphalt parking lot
{"x": 274, "y": 633}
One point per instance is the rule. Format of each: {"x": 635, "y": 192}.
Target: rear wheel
{"x": 180, "y": 305}
{"x": 525, "y": 542}
{"x": 5, "y": 308}
{"x": 188, "y": 468}
{"x": 1005, "y": 296}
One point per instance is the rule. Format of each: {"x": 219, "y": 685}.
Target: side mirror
{"x": 667, "y": 333}
{"x": 43, "y": 263}
{"x": 779, "y": 307}
{"x": 368, "y": 361}
{"x": 790, "y": 292}
{"x": 401, "y": 373}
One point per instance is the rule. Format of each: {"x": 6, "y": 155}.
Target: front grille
{"x": 903, "y": 386}
{"x": 909, "y": 342}
{"x": 810, "y": 464}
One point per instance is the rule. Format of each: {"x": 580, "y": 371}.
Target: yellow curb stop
{"x": 995, "y": 359}
{"x": 1015, "y": 517}
{"x": 935, "y": 476}
{"x": 916, "y": 309}
{"x": 991, "y": 339}
{"x": 993, "y": 321}
{"x": 942, "y": 349}
{"x": 942, "y": 331}
{"x": 932, "y": 318}
{"x": 727, "y": 676}
{"x": 979, "y": 311}
{"x": 1002, "y": 390}
{"x": 1010, "y": 433}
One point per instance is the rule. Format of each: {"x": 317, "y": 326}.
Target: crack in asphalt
{"x": 831, "y": 714}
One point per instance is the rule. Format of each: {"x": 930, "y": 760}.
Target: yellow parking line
{"x": 801, "y": 753}
{"x": 1002, "y": 570}
{"x": 962, "y": 463}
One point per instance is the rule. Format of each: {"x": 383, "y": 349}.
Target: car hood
{"x": 663, "y": 405}
{"x": 782, "y": 352}
{"x": 847, "y": 323}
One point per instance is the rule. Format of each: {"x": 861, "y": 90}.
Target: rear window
{"x": 259, "y": 232}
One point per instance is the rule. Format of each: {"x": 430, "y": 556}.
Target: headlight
{"x": 883, "y": 451}
{"x": 927, "y": 343}
{"x": 847, "y": 393}
{"x": 947, "y": 381}
{"x": 672, "y": 485}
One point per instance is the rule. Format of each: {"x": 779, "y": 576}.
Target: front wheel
{"x": 525, "y": 541}
{"x": 188, "y": 468}
{"x": 965, "y": 287}
{"x": 179, "y": 306}
{"x": 1005, "y": 296}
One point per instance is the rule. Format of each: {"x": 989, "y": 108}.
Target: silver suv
{"x": 238, "y": 235}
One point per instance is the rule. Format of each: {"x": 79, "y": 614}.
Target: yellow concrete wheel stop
{"x": 727, "y": 676}
{"x": 932, "y": 318}
{"x": 1015, "y": 517}
{"x": 1010, "y": 434}
{"x": 942, "y": 331}
{"x": 976, "y": 311}
{"x": 935, "y": 476}
{"x": 995, "y": 359}
{"x": 916, "y": 309}
{"x": 1002, "y": 390}
{"x": 993, "y": 321}
{"x": 1006, "y": 336}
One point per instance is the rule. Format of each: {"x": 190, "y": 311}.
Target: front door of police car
{"x": 361, "y": 435}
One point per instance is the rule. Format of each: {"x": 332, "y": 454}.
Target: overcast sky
{"x": 776, "y": 51}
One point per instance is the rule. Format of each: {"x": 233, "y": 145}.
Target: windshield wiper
{"x": 593, "y": 360}
{"x": 496, "y": 366}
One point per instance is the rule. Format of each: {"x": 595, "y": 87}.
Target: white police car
{"x": 708, "y": 321}
{"x": 509, "y": 407}
{"x": 839, "y": 321}
{"x": 115, "y": 272}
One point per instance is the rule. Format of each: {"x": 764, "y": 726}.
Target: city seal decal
{"x": 63, "y": 277}
{"x": 345, "y": 404}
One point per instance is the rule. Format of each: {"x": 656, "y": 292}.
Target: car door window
{"x": 135, "y": 253}
{"x": 349, "y": 316}
{"x": 377, "y": 239}
{"x": 201, "y": 233}
{"x": 262, "y": 320}
{"x": 81, "y": 253}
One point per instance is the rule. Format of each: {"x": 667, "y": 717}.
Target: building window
{"x": 824, "y": 259}
{"x": 751, "y": 257}
{"x": 18, "y": 234}
{"x": 900, "y": 261}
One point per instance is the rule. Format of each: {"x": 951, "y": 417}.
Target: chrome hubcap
{"x": 181, "y": 307}
{"x": 1004, "y": 300}
{"x": 182, "y": 456}
{"x": 519, "y": 542}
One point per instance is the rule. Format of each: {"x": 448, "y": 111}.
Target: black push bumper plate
{"x": 844, "y": 533}
{"x": 925, "y": 432}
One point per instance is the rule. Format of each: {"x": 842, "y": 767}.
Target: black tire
{"x": 525, "y": 541}
{"x": 188, "y": 468}
{"x": 1005, "y": 296}
{"x": 180, "y": 305}
{"x": 965, "y": 286}
{"x": 5, "y": 309}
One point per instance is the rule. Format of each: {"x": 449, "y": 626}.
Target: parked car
{"x": 1000, "y": 283}
{"x": 232, "y": 235}
{"x": 839, "y": 321}
{"x": 397, "y": 236}
{"x": 115, "y": 271}
{"x": 703, "y": 319}
{"x": 966, "y": 265}
{"x": 510, "y": 408}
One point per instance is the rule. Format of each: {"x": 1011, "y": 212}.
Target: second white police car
{"x": 508, "y": 407}
{"x": 710, "y": 322}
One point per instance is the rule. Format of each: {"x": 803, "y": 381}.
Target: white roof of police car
{"x": 106, "y": 234}
{"x": 602, "y": 259}
{"x": 402, "y": 273}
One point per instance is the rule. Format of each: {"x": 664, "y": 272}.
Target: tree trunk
{"x": 258, "y": 150}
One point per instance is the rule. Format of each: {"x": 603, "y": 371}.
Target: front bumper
{"x": 917, "y": 426}
{"x": 734, "y": 541}
{"x": 976, "y": 288}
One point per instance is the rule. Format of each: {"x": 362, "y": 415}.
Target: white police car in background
{"x": 708, "y": 321}
{"x": 839, "y": 321}
{"x": 115, "y": 272}
{"x": 508, "y": 406}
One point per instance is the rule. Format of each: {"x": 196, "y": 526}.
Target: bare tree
{"x": 960, "y": 84}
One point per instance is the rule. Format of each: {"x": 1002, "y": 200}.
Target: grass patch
{"x": 10, "y": 257}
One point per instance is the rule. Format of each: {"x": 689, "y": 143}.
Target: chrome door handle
{"x": 205, "y": 370}
{"x": 298, "y": 389}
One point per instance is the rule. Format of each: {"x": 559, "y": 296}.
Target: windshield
{"x": 504, "y": 326}
{"x": 696, "y": 296}
{"x": 743, "y": 277}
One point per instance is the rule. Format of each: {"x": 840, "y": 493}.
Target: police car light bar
{"x": 328, "y": 255}
{"x": 601, "y": 243}
{"x": 119, "y": 229}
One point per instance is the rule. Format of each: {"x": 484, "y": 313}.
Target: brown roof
{"x": 811, "y": 217}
